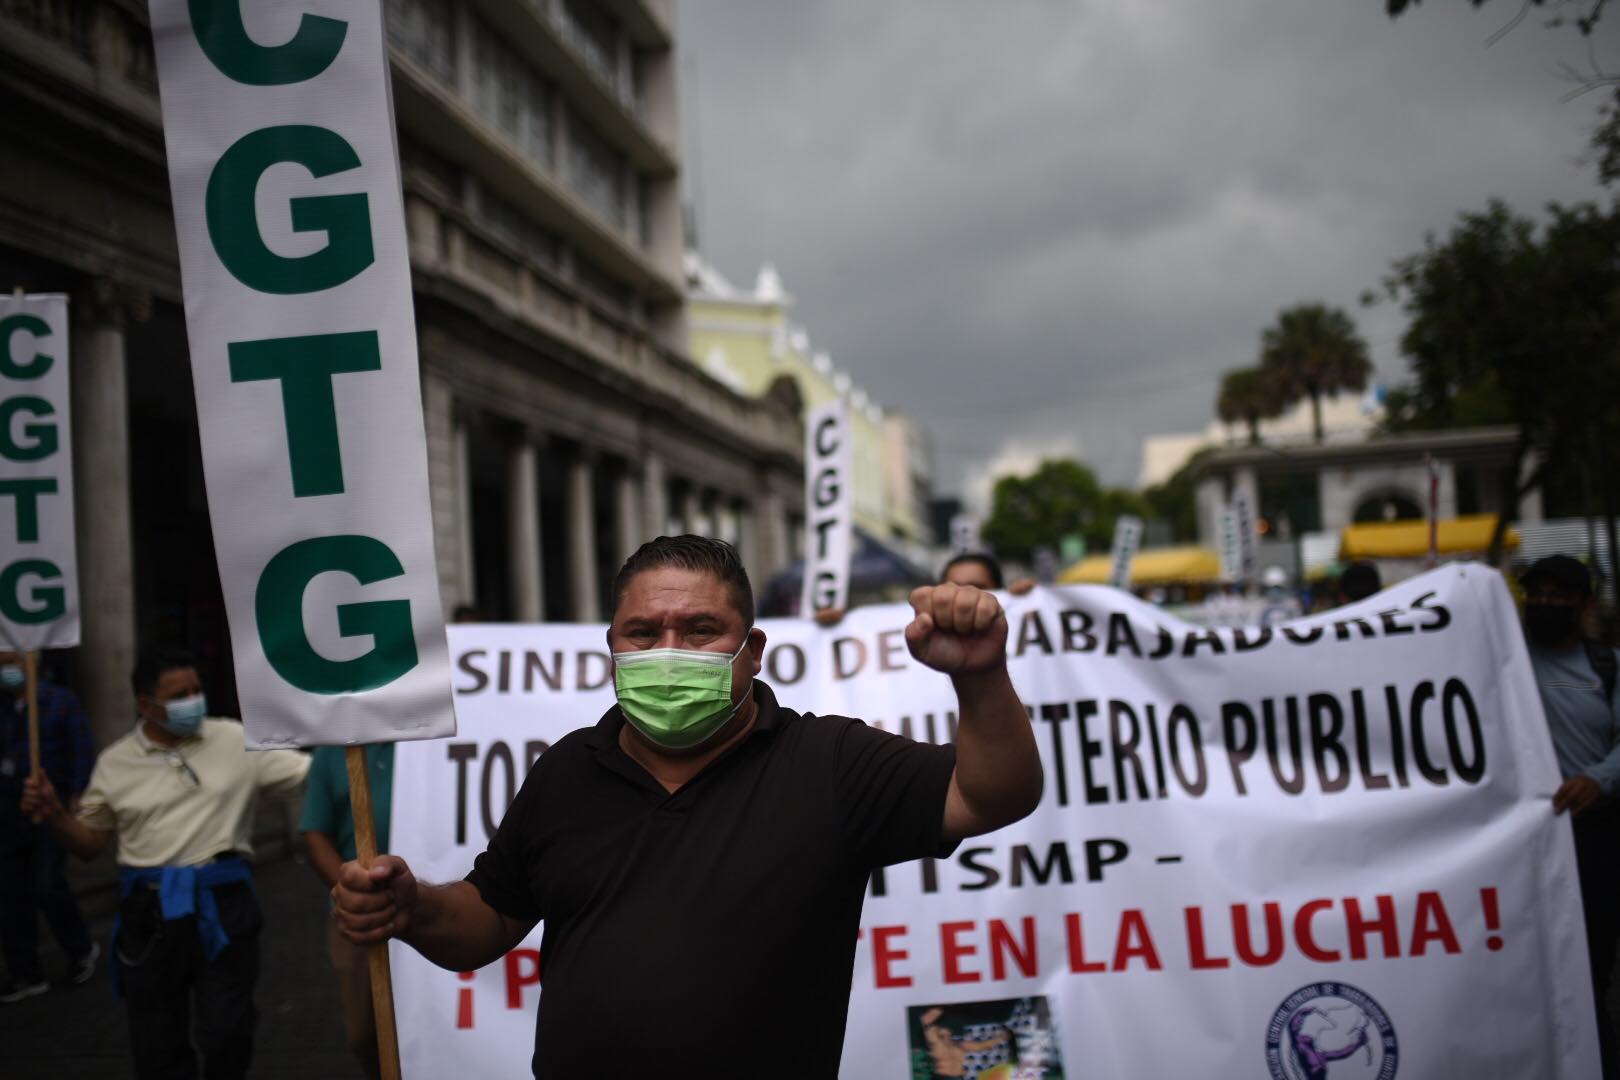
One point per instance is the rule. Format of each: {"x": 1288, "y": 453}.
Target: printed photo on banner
{"x": 1011, "y": 1039}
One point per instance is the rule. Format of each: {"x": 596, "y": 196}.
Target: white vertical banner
{"x": 1231, "y": 546}
{"x": 965, "y": 533}
{"x": 39, "y": 566}
{"x": 1127, "y": 541}
{"x": 829, "y": 507}
{"x": 285, "y": 178}
{"x": 1248, "y": 536}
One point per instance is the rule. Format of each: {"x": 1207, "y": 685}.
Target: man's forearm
{"x": 323, "y": 856}
{"x": 453, "y": 927}
{"x": 998, "y": 769}
{"x": 75, "y": 836}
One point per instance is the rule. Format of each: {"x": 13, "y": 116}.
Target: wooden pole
{"x": 382, "y": 983}
{"x": 31, "y": 680}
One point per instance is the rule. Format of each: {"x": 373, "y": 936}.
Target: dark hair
{"x": 153, "y": 661}
{"x": 1359, "y": 581}
{"x": 690, "y": 552}
{"x": 989, "y": 563}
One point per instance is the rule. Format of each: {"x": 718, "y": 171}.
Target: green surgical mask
{"x": 676, "y": 698}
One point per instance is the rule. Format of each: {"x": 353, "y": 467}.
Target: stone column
{"x": 1210, "y": 499}
{"x": 690, "y": 511}
{"x": 101, "y": 478}
{"x": 440, "y": 427}
{"x": 627, "y": 495}
{"x": 772, "y": 531}
{"x": 463, "y": 509}
{"x": 748, "y": 540}
{"x": 1446, "y": 496}
{"x": 523, "y": 516}
{"x": 654, "y": 495}
{"x": 582, "y": 571}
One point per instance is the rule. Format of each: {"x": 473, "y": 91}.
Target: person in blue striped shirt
{"x": 33, "y": 882}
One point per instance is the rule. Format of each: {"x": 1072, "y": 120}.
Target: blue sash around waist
{"x": 182, "y": 891}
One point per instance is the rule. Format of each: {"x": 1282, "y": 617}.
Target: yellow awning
{"x": 1410, "y": 539}
{"x": 1154, "y": 566}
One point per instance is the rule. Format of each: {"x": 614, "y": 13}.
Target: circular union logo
{"x": 1330, "y": 1031}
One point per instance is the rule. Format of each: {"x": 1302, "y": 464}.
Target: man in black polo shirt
{"x": 700, "y": 855}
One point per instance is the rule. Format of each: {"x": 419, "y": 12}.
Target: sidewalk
{"x": 76, "y": 1032}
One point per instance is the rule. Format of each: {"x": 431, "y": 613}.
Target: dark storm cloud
{"x": 1065, "y": 220}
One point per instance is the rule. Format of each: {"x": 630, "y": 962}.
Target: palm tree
{"x": 1250, "y": 395}
{"x": 1314, "y": 350}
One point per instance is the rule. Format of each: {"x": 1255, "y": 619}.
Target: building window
{"x": 513, "y": 226}
{"x": 595, "y": 37}
{"x": 509, "y": 95}
{"x": 605, "y": 290}
{"x": 596, "y": 172}
{"x": 425, "y": 31}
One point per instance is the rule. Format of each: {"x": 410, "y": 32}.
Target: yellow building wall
{"x": 748, "y": 344}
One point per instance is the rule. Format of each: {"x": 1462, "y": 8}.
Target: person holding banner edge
{"x": 327, "y": 824}
{"x": 700, "y": 855}
{"x": 1576, "y": 678}
{"x": 177, "y": 794}
{"x": 32, "y": 881}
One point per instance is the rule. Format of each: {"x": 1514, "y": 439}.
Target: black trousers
{"x": 175, "y": 994}
{"x": 1597, "y": 856}
{"x": 33, "y": 883}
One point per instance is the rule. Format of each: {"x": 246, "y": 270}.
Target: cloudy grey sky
{"x": 1050, "y": 225}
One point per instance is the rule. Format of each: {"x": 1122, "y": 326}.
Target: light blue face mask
{"x": 184, "y": 716}
{"x": 12, "y": 676}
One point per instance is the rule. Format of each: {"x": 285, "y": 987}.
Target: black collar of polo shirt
{"x": 604, "y": 737}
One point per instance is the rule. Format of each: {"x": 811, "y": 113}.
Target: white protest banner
{"x": 286, "y": 186}
{"x": 1127, "y": 539}
{"x": 829, "y": 520}
{"x": 39, "y": 566}
{"x": 1321, "y": 851}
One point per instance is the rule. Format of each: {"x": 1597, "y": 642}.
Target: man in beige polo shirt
{"x": 178, "y": 794}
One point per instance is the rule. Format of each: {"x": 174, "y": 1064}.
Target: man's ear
{"x": 756, "y": 647}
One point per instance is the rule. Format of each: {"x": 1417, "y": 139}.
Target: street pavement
{"x": 80, "y": 1032}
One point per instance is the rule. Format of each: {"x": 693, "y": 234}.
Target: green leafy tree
{"x": 1513, "y": 324}
{"x": 1248, "y": 396}
{"x": 1584, "y": 17}
{"x": 1581, "y": 14}
{"x": 1313, "y": 351}
{"x": 1061, "y": 497}
{"x": 1606, "y": 141}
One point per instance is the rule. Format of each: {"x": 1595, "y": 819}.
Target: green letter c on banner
{"x": 233, "y": 222}
{"x": 9, "y": 326}
{"x": 219, "y": 30}
{"x": 279, "y": 609}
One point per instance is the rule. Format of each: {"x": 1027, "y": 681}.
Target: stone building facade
{"x": 565, "y": 422}
{"x": 1322, "y": 488}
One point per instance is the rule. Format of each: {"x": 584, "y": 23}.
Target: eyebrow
{"x": 639, "y": 621}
